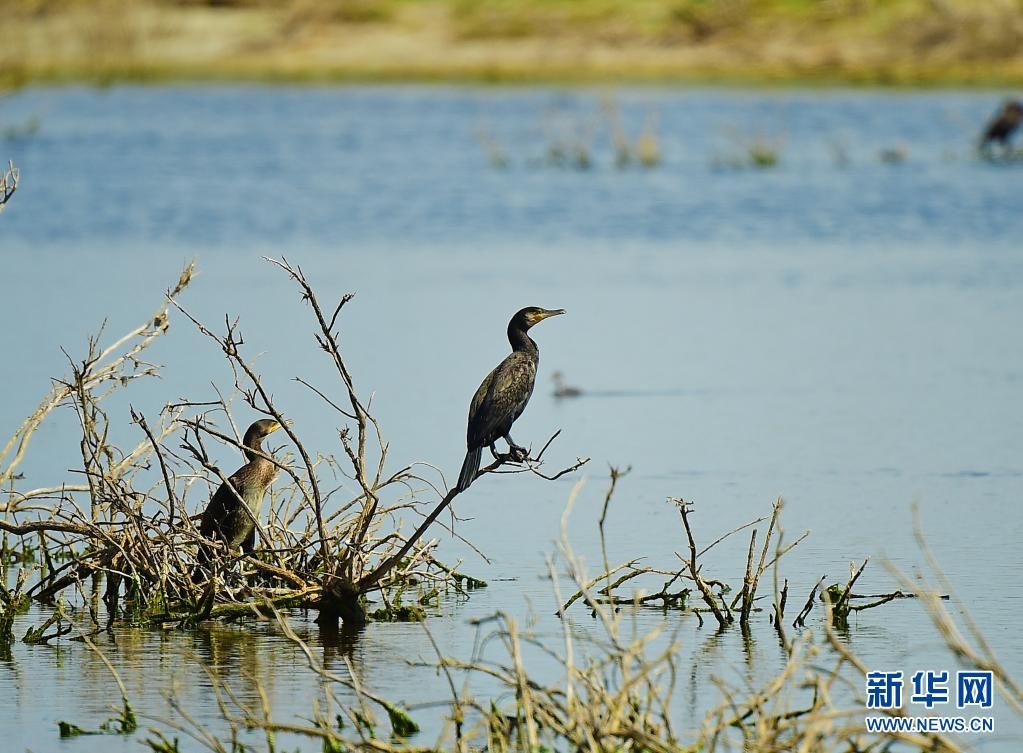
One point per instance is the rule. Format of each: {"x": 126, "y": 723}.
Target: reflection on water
{"x": 842, "y": 333}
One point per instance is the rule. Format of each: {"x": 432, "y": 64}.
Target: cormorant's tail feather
{"x": 470, "y": 467}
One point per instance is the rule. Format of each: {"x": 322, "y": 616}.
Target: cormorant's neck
{"x": 253, "y": 443}
{"x": 520, "y": 341}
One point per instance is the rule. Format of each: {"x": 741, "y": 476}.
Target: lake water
{"x": 840, "y": 330}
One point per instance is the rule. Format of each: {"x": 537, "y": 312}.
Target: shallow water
{"x": 840, "y": 332}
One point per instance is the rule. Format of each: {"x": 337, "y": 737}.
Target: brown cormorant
{"x": 503, "y": 395}
{"x": 1004, "y": 124}
{"x": 227, "y": 517}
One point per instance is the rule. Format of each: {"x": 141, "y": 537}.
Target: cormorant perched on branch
{"x": 503, "y": 395}
{"x": 226, "y": 517}
{"x": 1004, "y": 124}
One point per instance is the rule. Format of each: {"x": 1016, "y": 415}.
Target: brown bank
{"x": 898, "y": 42}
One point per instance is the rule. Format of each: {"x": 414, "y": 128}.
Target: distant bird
{"x": 228, "y": 518}
{"x": 1003, "y": 125}
{"x": 503, "y": 395}
{"x": 893, "y": 155}
{"x": 564, "y": 390}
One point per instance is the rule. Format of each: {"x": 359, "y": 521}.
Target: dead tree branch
{"x": 9, "y": 178}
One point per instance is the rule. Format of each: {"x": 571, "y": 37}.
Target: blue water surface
{"x": 840, "y": 330}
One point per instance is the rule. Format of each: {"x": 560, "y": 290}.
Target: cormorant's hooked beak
{"x": 547, "y": 313}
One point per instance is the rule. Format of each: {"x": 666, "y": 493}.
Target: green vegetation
{"x": 123, "y": 724}
{"x": 12, "y": 603}
{"x": 38, "y": 635}
{"x": 757, "y": 153}
{"x": 891, "y": 42}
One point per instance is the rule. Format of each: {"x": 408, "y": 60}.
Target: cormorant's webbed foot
{"x": 516, "y": 453}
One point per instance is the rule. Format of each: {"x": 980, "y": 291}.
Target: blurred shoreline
{"x": 739, "y": 42}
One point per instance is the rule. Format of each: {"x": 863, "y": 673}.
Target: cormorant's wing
{"x": 501, "y": 399}
{"x": 475, "y": 433}
{"x": 216, "y": 511}
{"x": 223, "y": 503}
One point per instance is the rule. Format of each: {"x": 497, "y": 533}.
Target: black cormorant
{"x": 1004, "y": 124}
{"x": 503, "y": 395}
{"x": 226, "y": 517}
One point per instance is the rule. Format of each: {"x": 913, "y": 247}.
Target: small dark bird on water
{"x": 233, "y": 520}
{"x": 561, "y": 389}
{"x": 503, "y": 395}
{"x": 1003, "y": 125}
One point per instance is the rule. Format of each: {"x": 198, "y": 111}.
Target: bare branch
{"x": 9, "y": 178}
